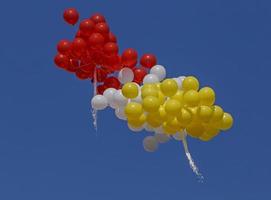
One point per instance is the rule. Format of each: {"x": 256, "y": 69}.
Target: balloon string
{"x": 192, "y": 164}
{"x": 94, "y": 112}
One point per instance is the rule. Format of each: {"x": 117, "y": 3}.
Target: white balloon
{"x": 159, "y": 130}
{"x": 99, "y": 102}
{"x": 179, "y": 81}
{"x": 180, "y": 135}
{"x": 109, "y": 94}
{"x": 119, "y": 100}
{"x": 161, "y": 137}
{"x": 126, "y": 75}
{"x": 135, "y": 129}
{"x": 119, "y": 112}
{"x": 150, "y": 144}
{"x": 148, "y": 128}
{"x": 159, "y": 71}
{"x": 150, "y": 78}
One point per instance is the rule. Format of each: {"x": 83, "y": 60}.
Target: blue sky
{"x": 48, "y": 147}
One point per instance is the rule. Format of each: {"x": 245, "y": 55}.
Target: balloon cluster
{"x": 170, "y": 107}
{"x": 94, "y": 54}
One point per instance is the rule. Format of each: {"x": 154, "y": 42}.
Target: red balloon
{"x": 111, "y": 48}
{"x": 61, "y": 60}
{"x": 63, "y": 46}
{"x": 148, "y": 60}
{"x": 139, "y": 74}
{"x": 73, "y": 65}
{"x": 129, "y": 57}
{"x": 87, "y": 26}
{"x": 102, "y": 28}
{"x": 88, "y": 68}
{"x": 112, "y": 82}
{"x": 81, "y": 75}
{"x": 71, "y": 16}
{"x": 101, "y": 89}
{"x": 97, "y": 18}
{"x": 101, "y": 74}
{"x": 112, "y": 37}
{"x": 78, "y": 46}
{"x": 96, "y": 39}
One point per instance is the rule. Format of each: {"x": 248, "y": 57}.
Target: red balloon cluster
{"x": 94, "y": 52}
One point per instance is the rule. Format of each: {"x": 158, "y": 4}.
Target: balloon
{"x": 63, "y": 47}
{"x": 135, "y": 129}
{"x": 149, "y": 91}
{"x": 179, "y": 81}
{"x": 112, "y": 82}
{"x": 133, "y": 110}
{"x": 86, "y": 26}
{"x": 119, "y": 99}
{"x": 102, "y": 28}
{"x": 179, "y": 135}
{"x": 191, "y": 98}
{"x": 99, "y": 102}
{"x": 217, "y": 113}
{"x": 119, "y": 112}
{"x": 184, "y": 117}
{"x": 111, "y": 48}
{"x": 169, "y": 87}
{"x": 71, "y": 16}
{"x": 109, "y": 94}
{"x": 129, "y": 57}
{"x": 150, "y": 78}
{"x": 226, "y": 122}
{"x": 130, "y": 90}
{"x": 190, "y": 83}
{"x": 96, "y": 40}
{"x": 150, "y": 144}
{"x": 207, "y": 96}
{"x": 148, "y": 60}
{"x": 101, "y": 89}
{"x": 126, "y": 75}
{"x": 78, "y": 46}
{"x": 101, "y": 74}
{"x": 61, "y": 60}
{"x": 137, "y": 122}
{"x": 205, "y": 113}
{"x": 161, "y": 137}
{"x": 139, "y": 74}
{"x": 195, "y": 129}
{"x": 159, "y": 71}
{"x": 148, "y": 128}
{"x": 112, "y": 37}
{"x": 151, "y": 104}
{"x": 172, "y": 107}
{"x": 178, "y": 96}
{"x": 97, "y": 18}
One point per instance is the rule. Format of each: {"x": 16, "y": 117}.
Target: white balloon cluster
{"x": 114, "y": 99}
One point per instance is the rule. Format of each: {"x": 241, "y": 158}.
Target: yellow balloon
{"x": 151, "y": 104}
{"x": 226, "y": 122}
{"x": 161, "y": 97}
{"x": 204, "y": 137}
{"x": 207, "y": 96}
{"x": 169, "y": 87}
{"x": 130, "y": 90}
{"x": 191, "y": 98}
{"x": 137, "y": 122}
{"x": 217, "y": 113}
{"x": 153, "y": 120}
{"x": 184, "y": 117}
{"x": 150, "y": 91}
{"x": 174, "y": 124}
{"x": 149, "y": 85}
{"x": 167, "y": 129}
{"x": 190, "y": 83}
{"x": 211, "y": 130}
{"x": 195, "y": 129}
{"x": 178, "y": 96}
{"x": 162, "y": 113}
{"x": 172, "y": 107}
{"x": 204, "y": 113}
{"x": 133, "y": 110}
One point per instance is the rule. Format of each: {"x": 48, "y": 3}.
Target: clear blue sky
{"x": 48, "y": 149}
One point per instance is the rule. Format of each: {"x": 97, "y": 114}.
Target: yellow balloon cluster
{"x": 166, "y": 105}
